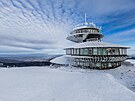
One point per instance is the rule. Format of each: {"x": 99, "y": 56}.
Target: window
{"x": 83, "y": 30}
{"x": 104, "y": 51}
{"x": 81, "y": 51}
{"x": 117, "y": 51}
{"x": 91, "y": 31}
{"x": 94, "y": 51}
{"x": 99, "y": 51}
{"x": 90, "y": 51}
{"x": 80, "y": 31}
{"x": 98, "y": 64}
{"x": 68, "y": 51}
{"x": 77, "y": 51}
{"x": 109, "y": 65}
{"x": 88, "y": 30}
{"x": 125, "y": 51}
{"x": 72, "y": 51}
{"x": 85, "y": 51}
{"x": 95, "y": 31}
{"x": 111, "y": 51}
{"x": 120, "y": 51}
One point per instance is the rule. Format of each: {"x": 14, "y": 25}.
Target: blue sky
{"x": 41, "y": 26}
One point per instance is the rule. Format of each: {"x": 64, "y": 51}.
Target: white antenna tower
{"x": 85, "y": 17}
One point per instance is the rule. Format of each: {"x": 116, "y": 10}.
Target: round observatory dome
{"x": 83, "y": 32}
{"x": 86, "y": 25}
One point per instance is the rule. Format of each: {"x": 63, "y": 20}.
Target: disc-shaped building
{"x": 90, "y": 52}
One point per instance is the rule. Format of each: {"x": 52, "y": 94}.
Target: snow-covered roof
{"x": 68, "y": 56}
{"x": 60, "y": 60}
{"x": 95, "y": 44}
{"x": 86, "y": 25}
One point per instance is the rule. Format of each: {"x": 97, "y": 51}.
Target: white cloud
{"x": 29, "y": 25}
{"x": 43, "y": 25}
{"x": 121, "y": 36}
{"x": 125, "y": 38}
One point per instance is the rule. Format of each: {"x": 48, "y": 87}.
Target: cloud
{"x": 33, "y": 24}
{"x": 43, "y": 25}
{"x": 110, "y": 14}
{"x": 125, "y": 38}
{"x": 121, "y": 36}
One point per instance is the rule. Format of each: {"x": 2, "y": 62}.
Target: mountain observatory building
{"x": 89, "y": 51}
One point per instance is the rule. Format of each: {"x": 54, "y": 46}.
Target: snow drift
{"x": 45, "y": 84}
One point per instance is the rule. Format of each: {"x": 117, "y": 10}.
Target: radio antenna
{"x": 85, "y": 18}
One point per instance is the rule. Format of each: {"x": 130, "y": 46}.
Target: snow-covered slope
{"x": 125, "y": 74}
{"x": 45, "y": 84}
{"x": 131, "y": 61}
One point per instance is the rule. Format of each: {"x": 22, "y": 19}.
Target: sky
{"x": 41, "y": 26}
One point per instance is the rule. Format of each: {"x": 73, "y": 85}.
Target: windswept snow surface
{"x": 46, "y": 84}
{"x": 131, "y": 61}
{"x": 125, "y": 74}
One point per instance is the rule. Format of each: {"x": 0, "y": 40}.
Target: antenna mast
{"x": 85, "y": 18}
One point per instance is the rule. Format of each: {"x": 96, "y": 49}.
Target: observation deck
{"x": 85, "y": 32}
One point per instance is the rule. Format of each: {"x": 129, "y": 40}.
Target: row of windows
{"x": 103, "y": 58}
{"x": 97, "y": 65}
{"x": 85, "y": 31}
{"x": 96, "y": 51}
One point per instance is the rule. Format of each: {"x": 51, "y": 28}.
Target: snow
{"x": 131, "y": 61}
{"x": 125, "y": 74}
{"x": 60, "y": 60}
{"x": 62, "y": 84}
{"x": 94, "y": 44}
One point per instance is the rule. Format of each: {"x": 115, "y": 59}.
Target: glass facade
{"x": 113, "y": 51}
{"x": 85, "y": 31}
{"x": 91, "y": 63}
{"x": 96, "y": 51}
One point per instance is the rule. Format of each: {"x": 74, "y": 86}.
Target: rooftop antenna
{"x": 85, "y": 18}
